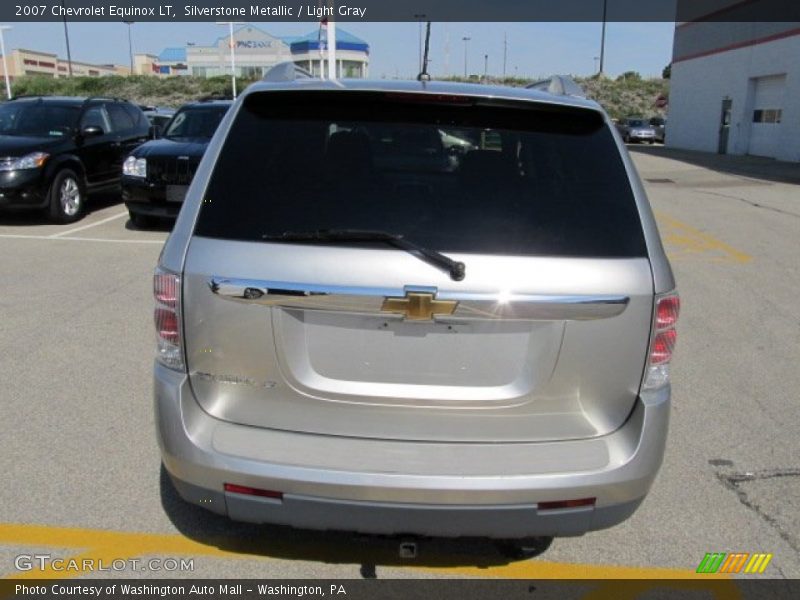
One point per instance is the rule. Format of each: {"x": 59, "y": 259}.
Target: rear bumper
{"x": 336, "y": 483}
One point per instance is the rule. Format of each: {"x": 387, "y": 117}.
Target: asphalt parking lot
{"x": 82, "y": 470}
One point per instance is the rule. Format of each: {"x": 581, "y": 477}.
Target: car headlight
{"x": 135, "y": 167}
{"x": 34, "y": 160}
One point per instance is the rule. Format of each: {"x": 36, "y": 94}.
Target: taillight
{"x": 663, "y": 342}
{"x": 166, "y": 292}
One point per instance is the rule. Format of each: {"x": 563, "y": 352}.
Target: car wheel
{"x": 524, "y": 548}
{"x": 141, "y": 221}
{"x": 627, "y": 139}
{"x": 67, "y": 197}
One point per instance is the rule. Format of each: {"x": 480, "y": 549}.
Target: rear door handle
{"x": 469, "y": 305}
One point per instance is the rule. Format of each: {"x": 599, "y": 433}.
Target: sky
{"x": 533, "y": 49}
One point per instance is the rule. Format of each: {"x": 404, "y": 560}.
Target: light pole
{"x": 130, "y": 42}
{"x": 465, "y": 40}
{"x": 603, "y": 37}
{"x": 230, "y": 25}
{"x": 505, "y": 55}
{"x": 596, "y": 58}
{"x": 5, "y": 62}
{"x": 419, "y": 18}
{"x": 485, "y": 67}
{"x": 66, "y": 38}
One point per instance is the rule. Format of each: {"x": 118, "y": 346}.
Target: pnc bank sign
{"x": 253, "y": 44}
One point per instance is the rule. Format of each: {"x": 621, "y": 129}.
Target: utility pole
{"x": 603, "y": 37}
{"x": 505, "y": 55}
{"x": 485, "y": 67}
{"x": 5, "y": 61}
{"x": 130, "y": 42}
{"x": 446, "y": 51}
{"x": 230, "y": 25}
{"x": 465, "y": 40}
{"x": 66, "y": 37}
{"x": 419, "y": 18}
{"x": 423, "y": 75}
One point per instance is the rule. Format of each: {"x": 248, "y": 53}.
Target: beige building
{"x": 44, "y": 64}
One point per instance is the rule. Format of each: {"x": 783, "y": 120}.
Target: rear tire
{"x": 525, "y": 548}
{"x": 141, "y": 221}
{"x": 67, "y": 198}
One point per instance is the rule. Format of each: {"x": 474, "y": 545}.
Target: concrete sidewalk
{"x": 754, "y": 167}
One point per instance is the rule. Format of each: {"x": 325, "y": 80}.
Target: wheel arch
{"x": 68, "y": 161}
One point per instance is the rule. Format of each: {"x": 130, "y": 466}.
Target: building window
{"x": 251, "y": 72}
{"x": 199, "y": 71}
{"x": 767, "y": 115}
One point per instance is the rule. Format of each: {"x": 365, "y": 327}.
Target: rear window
{"x": 453, "y": 174}
{"x": 196, "y": 122}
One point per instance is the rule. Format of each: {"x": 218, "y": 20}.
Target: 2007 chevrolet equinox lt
{"x": 415, "y": 308}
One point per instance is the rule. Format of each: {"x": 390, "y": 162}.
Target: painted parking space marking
{"x": 108, "y": 546}
{"x": 683, "y": 241}
{"x": 15, "y": 236}
{"x": 89, "y": 225}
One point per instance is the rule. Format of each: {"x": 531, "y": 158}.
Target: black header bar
{"x": 405, "y": 10}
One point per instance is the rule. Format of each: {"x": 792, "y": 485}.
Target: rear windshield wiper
{"x": 455, "y": 269}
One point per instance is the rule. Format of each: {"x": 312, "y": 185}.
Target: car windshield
{"x": 524, "y": 180}
{"x": 196, "y": 122}
{"x": 637, "y": 123}
{"x": 37, "y": 119}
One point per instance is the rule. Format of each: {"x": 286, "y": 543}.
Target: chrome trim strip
{"x": 472, "y": 305}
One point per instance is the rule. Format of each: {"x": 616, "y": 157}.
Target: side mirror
{"x": 92, "y": 131}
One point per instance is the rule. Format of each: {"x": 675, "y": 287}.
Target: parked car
{"x": 637, "y": 129}
{"x": 384, "y": 348}
{"x": 659, "y": 124}
{"x": 158, "y": 117}
{"x": 157, "y": 174}
{"x": 57, "y": 150}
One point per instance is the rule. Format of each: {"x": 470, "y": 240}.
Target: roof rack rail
{"x": 85, "y": 98}
{"x": 558, "y": 85}
{"x": 111, "y": 98}
{"x": 287, "y": 71}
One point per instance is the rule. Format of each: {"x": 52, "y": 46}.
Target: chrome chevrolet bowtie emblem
{"x": 419, "y": 306}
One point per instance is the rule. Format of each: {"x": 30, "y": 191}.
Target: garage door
{"x": 765, "y": 125}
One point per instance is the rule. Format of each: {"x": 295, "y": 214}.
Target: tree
{"x": 667, "y": 72}
{"x": 630, "y": 76}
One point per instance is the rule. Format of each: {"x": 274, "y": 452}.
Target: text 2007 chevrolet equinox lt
{"x": 364, "y": 325}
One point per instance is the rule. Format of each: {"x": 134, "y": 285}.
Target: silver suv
{"x": 361, "y": 327}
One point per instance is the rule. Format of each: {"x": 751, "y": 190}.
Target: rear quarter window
{"x": 458, "y": 175}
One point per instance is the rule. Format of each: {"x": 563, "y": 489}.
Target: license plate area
{"x": 176, "y": 193}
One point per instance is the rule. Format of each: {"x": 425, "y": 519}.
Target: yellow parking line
{"x": 111, "y": 545}
{"x": 691, "y": 241}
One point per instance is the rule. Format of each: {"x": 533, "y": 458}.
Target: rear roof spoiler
{"x": 558, "y": 85}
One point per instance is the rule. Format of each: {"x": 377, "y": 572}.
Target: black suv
{"x": 54, "y": 151}
{"x": 157, "y": 174}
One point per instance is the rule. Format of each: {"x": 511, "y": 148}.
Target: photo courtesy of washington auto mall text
{"x": 172, "y": 589}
